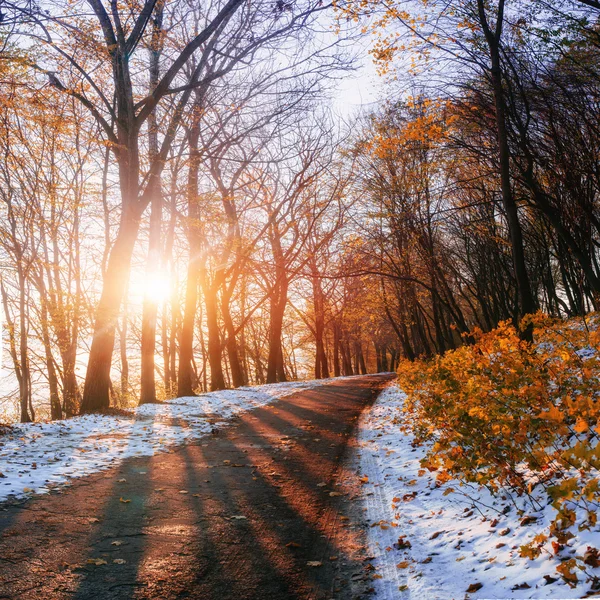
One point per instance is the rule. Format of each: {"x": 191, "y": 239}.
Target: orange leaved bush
{"x": 511, "y": 415}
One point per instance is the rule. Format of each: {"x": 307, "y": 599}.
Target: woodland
{"x": 183, "y": 209}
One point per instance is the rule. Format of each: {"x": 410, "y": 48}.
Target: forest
{"x": 183, "y": 210}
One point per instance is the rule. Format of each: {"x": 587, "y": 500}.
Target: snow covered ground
{"x": 38, "y": 456}
{"x": 428, "y": 542}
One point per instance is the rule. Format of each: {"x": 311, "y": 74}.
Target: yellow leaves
{"x": 503, "y": 414}
{"x": 566, "y": 571}
{"x": 443, "y": 477}
{"x": 124, "y": 501}
{"x": 96, "y": 561}
{"x": 529, "y": 551}
{"x": 552, "y": 414}
{"x": 565, "y": 490}
{"x": 590, "y": 491}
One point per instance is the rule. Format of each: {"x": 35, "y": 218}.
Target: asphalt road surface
{"x": 266, "y": 508}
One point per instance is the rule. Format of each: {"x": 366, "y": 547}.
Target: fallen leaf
{"x": 402, "y": 543}
{"x": 521, "y": 586}
{"x": 314, "y": 563}
{"x": 403, "y": 565}
{"x": 293, "y": 545}
{"x": 116, "y": 543}
{"x": 96, "y": 561}
{"x": 119, "y": 561}
{"x": 474, "y": 587}
{"x": 556, "y": 547}
{"x": 591, "y": 557}
{"x": 124, "y": 501}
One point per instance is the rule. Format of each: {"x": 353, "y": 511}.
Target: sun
{"x": 157, "y": 287}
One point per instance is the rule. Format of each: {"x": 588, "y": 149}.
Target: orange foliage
{"x": 507, "y": 414}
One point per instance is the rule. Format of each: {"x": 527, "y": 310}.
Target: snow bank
{"x": 428, "y": 542}
{"x": 38, "y": 456}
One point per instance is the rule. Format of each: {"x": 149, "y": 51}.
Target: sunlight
{"x": 156, "y": 287}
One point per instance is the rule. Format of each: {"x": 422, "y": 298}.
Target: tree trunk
{"x": 217, "y": 380}
{"x": 186, "y": 341}
{"x": 336, "y": 349}
{"x": 150, "y": 308}
{"x": 235, "y": 364}
{"x": 55, "y": 405}
{"x": 275, "y": 370}
{"x": 526, "y": 301}
{"x": 97, "y": 379}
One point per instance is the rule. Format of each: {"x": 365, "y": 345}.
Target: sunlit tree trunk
{"x": 217, "y": 379}
{"x": 235, "y": 364}
{"x": 97, "y": 379}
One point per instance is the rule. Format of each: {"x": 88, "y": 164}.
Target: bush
{"x": 510, "y": 415}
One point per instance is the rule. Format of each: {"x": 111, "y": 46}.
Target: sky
{"x": 362, "y": 90}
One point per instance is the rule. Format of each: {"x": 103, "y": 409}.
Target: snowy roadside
{"x": 36, "y": 457}
{"x": 428, "y": 542}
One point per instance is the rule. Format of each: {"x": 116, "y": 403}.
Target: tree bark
{"x": 97, "y": 379}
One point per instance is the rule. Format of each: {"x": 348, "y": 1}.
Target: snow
{"x": 37, "y": 457}
{"x": 449, "y": 540}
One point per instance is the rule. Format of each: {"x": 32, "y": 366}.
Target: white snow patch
{"x": 39, "y": 456}
{"x": 452, "y": 542}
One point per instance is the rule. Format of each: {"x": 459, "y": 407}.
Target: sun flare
{"x": 156, "y": 287}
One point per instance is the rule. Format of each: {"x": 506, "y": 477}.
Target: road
{"x": 267, "y": 508}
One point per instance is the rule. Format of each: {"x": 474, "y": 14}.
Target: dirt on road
{"x": 266, "y": 508}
